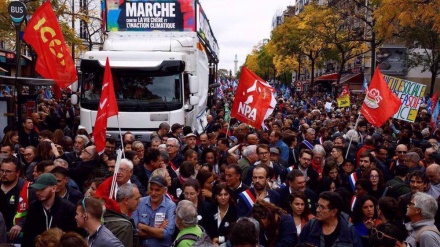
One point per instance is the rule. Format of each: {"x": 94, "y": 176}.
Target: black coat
{"x": 227, "y": 222}
{"x": 63, "y": 217}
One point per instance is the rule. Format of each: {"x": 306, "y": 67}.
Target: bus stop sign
{"x": 17, "y": 12}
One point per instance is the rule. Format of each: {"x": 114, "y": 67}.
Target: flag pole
{"x": 351, "y": 138}
{"x": 120, "y": 135}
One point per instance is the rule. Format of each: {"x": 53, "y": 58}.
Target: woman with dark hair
{"x": 330, "y": 170}
{"x": 206, "y": 180}
{"x": 364, "y": 216}
{"x": 132, "y": 155}
{"x": 192, "y": 192}
{"x": 11, "y": 139}
{"x": 277, "y": 227}
{"x": 377, "y": 182}
{"x": 224, "y": 209}
{"x": 46, "y": 150}
{"x": 387, "y": 212}
{"x": 209, "y": 157}
{"x": 300, "y": 210}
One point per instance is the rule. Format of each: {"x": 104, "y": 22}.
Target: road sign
{"x": 17, "y": 12}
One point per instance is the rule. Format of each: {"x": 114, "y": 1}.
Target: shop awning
{"x": 352, "y": 78}
{"x": 3, "y": 70}
{"x": 328, "y": 77}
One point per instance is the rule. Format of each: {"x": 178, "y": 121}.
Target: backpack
{"x": 203, "y": 241}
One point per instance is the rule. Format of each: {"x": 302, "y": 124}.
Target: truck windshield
{"x": 135, "y": 90}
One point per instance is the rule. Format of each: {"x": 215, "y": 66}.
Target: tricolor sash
{"x": 248, "y": 198}
{"x": 308, "y": 144}
{"x": 352, "y": 179}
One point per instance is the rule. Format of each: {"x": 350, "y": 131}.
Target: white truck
{"x": 163, "y": 56}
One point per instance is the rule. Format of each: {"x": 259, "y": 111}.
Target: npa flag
{"x": 44, "y": 34}
{"x": 107, "y": 108}
{"x": 380, "y": 102}
{"x": 254, "y": 99}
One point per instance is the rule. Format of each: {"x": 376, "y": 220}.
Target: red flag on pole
{"x": 44, "y": 34}
{"x": 380, "y": 102}
{"x": 107, "y": 108}
{"x": 254, "y": 99}
{"x": 345, "y": 91}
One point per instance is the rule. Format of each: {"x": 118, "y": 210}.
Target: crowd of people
{"x": 311, "y": 176}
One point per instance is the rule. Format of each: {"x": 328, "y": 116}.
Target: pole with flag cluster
{"x": 254, "y": 99}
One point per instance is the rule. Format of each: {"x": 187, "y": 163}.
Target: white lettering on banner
{"x": 247, "y": 111}
{"x": 137, "y": 9}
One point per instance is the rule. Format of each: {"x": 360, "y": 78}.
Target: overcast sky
{"x": 239, "y": 25}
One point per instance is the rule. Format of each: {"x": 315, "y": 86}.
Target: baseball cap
{"x": 159, "y": 180}
{"x": 274, "y": 151}
{"x": 44, "y": 180}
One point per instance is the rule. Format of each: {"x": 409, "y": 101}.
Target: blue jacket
{"x": 347, "y": 236}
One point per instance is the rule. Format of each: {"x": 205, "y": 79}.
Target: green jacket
{"x": 187, "y": 242}
{"x": 122, "y": 227}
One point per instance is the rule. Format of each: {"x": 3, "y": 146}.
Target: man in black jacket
{"x": 48, "y": 211}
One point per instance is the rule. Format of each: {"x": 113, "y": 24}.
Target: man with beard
{"x": 260, "y": 190}
{"x": 48, "y": 211}
{"x": 191, "y": 144}
{"x": 11, "y": 186}
{"x": 73, "y": 158}
{"x": 88, "y": 162}
{"x": 401, "y": 151}
{"x": 418, "y": 182}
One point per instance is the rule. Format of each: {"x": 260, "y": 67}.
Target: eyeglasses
{"x": 401, "y": 152}
{"x": 321, "y": 207}
{"x": 379, "y": 234}
{"x": 85, "y": 150}
{"x": 110, "y": 147}
{"x": 411, "y": 204}
{"x": 7, "y": 172}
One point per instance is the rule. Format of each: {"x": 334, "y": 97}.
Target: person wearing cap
{"x": 191, "y": 143}
{"x": 48, "y": 211}
{"x": 155, "y": 216}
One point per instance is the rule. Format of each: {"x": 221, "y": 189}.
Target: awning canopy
{"x": 328, "y": 77}
{"x": 3, "y": 70}
{"x": 25, "y": 81}
{"x": 352, "y": 78}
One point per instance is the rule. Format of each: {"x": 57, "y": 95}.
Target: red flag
{"x": 44, "y": 35}
{"x": 380, "y": 102}
{"x": 345, "y": 91}
{"x": 254, "y": 99}
{"x": 107, "y": 108}
{"x": 434, "y": 102}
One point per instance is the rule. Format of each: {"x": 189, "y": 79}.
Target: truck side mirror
{"x": 193, "y": 100}
{"x": 74, "y": 99}
{"x": 193, "y": 84}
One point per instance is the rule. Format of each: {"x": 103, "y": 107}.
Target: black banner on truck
{"x": 129, "y": 15}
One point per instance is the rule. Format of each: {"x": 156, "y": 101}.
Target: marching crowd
{"x": 312, "y": 176}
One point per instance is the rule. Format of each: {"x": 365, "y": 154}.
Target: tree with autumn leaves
{"x": 89, "y": 18}
{"x": 345, "y": 30}
{"x": 415, "y": 23}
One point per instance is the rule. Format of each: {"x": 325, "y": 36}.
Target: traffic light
{"x": 10, "y": 58}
